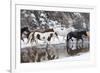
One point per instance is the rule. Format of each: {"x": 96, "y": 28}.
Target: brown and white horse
{"x": 45, "y": 36}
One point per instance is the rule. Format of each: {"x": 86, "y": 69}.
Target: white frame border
{"x": 13, "y": 35}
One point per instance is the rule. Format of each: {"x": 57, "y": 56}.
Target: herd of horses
{"x": 47, "y": 34}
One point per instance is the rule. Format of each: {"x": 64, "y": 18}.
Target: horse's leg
{"x": 51, "y": 46}
{"x": 67, "y": 41}
{"x": 30, "y": 41}
{"x": 63, "y": 37}
{"x": 35, "y": 41}
{"x": 82, "y": 43}
{"x": 58, "y": 38}
{"x": 77, "y": 44}
{"x": 48, "y": 51}
{"x": 56, "y": 35}
{"x": 69, "y": 51}
{"x": 68, "y": 38}
{"x": 88, "y": 41}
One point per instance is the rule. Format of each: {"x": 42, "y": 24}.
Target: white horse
{"x": 62, "y": 31}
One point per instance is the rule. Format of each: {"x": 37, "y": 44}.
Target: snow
{"x": 43, "y": 22}
{"x": 33, "y": 15}
{"x": 41, "y": 19}
{"x": 52, "y": 22}
{"x": 43, "y": 15}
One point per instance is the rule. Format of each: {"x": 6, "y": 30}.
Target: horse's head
{"x": 62, "y": 28}
{"x": 26, "y": 30}
{"x": 84, "y": 33}
{"x": 88, "y": 34}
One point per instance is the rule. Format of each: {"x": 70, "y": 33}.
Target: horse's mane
{"x": 43, "y": 31}
{"x": 82, "y": 31}
{"x": 49, "y": 30}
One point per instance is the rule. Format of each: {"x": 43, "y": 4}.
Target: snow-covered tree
{"x": 45, "y": 19}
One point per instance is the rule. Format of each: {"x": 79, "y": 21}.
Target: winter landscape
{"x": 54, "y": 35}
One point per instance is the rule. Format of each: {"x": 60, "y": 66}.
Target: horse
{"x": 45, "y": 36}
{"x": 24, "y": 33}
{"x": 78, "y": 35}
{"x": 62, "y": 31}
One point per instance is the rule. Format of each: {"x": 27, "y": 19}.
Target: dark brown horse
{"x": 24, "y": 33}
{"x": 78, "y": 35}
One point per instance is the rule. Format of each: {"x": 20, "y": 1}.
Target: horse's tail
{"x": 31, "y": 37}
{"x": 67, "y": 43}
{"x": 67, "y": 37}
